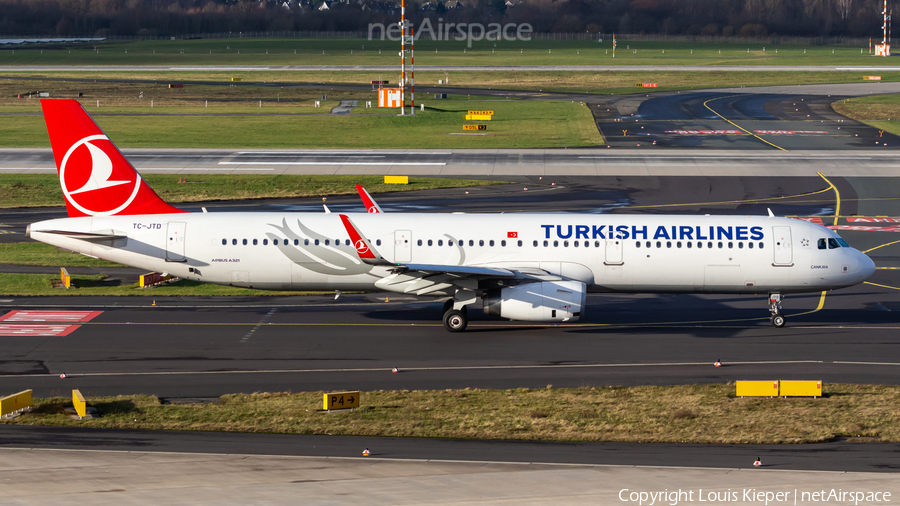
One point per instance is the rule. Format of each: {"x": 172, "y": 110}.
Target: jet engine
{"x": 546, "y": 301}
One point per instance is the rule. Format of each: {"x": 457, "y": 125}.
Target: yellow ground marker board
{"x": 478, "y": 117}
{"x": 396, "y": 179}
{"x": 474, "y": 127}
{"x": 15, "y": 402}
{"x": 757, "y": 388}
{"x": 801, "y": 388}
{"x": 79, "y": 403}
{"x": 481, "y": 113}
{"x": 340, "y": 400}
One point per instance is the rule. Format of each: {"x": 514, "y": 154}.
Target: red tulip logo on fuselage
{"x": 361, "y": 247}
{"x": 108, "y": 188}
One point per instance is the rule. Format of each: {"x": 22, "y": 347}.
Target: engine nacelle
{"x": 546, "y": 301}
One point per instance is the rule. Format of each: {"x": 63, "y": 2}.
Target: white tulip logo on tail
{"x": 87, "y": 198}
{"x": 101, "y": 171}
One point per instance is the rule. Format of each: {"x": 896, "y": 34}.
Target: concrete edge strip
{"x": 448, "y": 368}
{"x": 439, "y": 461}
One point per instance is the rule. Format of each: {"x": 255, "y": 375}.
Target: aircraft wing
{"x": 460, "y": 270}
{"x": 368, "y": 201}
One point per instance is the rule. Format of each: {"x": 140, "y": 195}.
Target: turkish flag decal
{"x": 512, "y": 235}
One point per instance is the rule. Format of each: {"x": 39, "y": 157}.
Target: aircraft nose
{"x": 866, "y": 267}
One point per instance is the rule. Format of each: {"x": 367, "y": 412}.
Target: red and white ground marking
{"x": 704, "y": 132}
{"x": 49, "y": 316}
{"x": 37, "y": 330}
{"x": 790, "y": 132}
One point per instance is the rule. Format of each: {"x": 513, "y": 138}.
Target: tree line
{"x": 99, "y": 18}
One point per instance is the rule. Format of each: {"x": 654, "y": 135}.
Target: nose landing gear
{"x": 778, "y": 319}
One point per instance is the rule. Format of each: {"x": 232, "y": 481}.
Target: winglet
{"x": 362, "y": 245}
{"x": 771, "y": 214}
{"x": 368, "y": 201}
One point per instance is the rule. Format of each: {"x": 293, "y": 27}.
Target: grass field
{"x": 296, "y": 51}
{"x": 673, "y": 414}
{"x": 39, "y": 190}
{"x": 881, "y": 112}
{"x": 517, "y": 124}
{"x": 28, "y": 285}
{"x": 38, "y": 253}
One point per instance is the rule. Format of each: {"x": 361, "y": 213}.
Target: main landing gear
{"x": 778, "y": 319}
{"x": 456, "y": 316}
{"x": 455, "y": 320}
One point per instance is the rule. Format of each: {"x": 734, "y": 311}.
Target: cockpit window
{"x": 842, "y": 242}
{"x": 832, "y": 243}
{"x": 822, "y": 244}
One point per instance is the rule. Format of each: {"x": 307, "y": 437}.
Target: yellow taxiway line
{"x": 705, "y": 104}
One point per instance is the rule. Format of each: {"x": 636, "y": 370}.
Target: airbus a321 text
{"x": 529, "y": 267}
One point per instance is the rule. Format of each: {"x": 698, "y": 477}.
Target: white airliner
{"x": 530, "y": 267}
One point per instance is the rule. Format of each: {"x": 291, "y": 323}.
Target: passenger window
{"x": 502, "y": 243}
{"x": 555, "y": 244}
{"x": 429, "y": 242}
{"x": 750, "y": 245}
{"x": 306, "y": 242}
{"x": 224, "y": 242}
{"x": 638, "y": 244}
{"x": 377, "y": 242}
{"x": 821, "y": 243}
{"x": 709, "y": 245}
{"x": 678, "y": 244}
{"x": 566, "y": 244}
{"x": 546, "y": 243}
{"x": 761, "y": 245}
{"x": 720, "y": 245}
{"x": 520, "y": 244}
{"x": 450, "y": 242}
{"x": 658, "y": 244}
{"x": 255, "y": 242}
{"x": 535, "y": 244}
{"x": 472, "y": 243}
{"x": 327, "y": 242}
{"x": 491, "y": 243}
{"x": 481, "y": 242}
{"x": 730, "y": 245}
{"x": 245, "y": 242}
{"x": 648, "y": 244}
{"x": 234, "y": 242}
{"x": 419, "y": 243}
{"x": 740, "y": 245}
{"x": 596, "y": 244}
{"x": 699, "y": 245}
{"x": 316, "y": 242}
{"x": 296, "y": 242}
{"x": 832, "y": 244}
{"x": 668, "y": 244}
{"x": 690, "y": 244}
{"x": 441, "y": 242}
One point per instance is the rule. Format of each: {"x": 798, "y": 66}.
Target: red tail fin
{"x": 96, "y": 179}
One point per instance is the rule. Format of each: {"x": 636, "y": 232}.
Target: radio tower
{"x": 404, "y": 38}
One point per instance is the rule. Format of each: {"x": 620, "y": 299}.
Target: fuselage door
{"x": 783, "y": 252}
{"x": 402, "y": 246}
{"x": 175, "y": 241}
{"x": 614, "y": 248}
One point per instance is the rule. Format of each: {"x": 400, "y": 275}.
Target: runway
{"x": 880, "y": 161}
